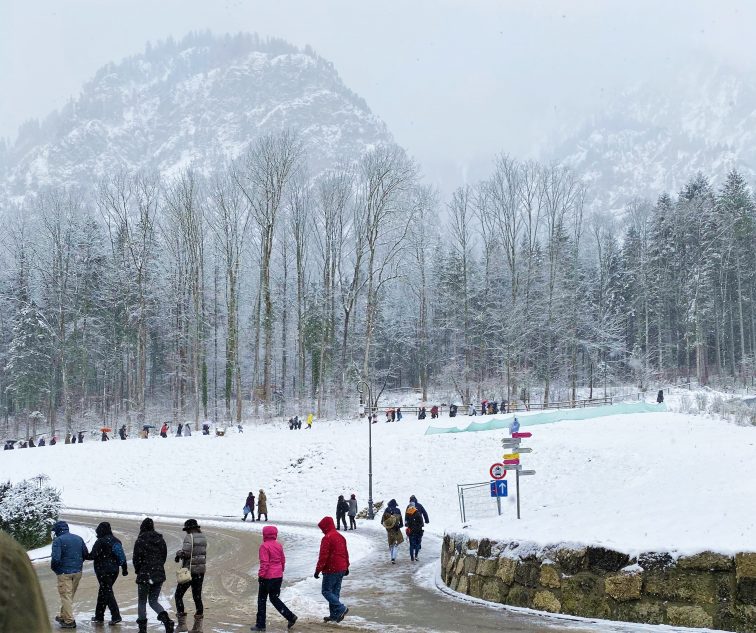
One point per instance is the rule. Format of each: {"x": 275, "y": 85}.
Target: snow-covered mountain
{"x": 656, "y": 136}
{"x": 196, "y": 102}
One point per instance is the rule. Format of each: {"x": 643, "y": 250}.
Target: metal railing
{"x": 475, "y": 501}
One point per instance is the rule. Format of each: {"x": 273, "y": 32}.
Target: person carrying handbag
{"x": 193, "y": 555}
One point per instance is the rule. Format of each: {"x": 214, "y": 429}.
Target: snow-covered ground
{"x": 651, "y": 481}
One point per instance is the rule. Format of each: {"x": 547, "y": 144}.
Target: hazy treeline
{"x": 263, "y": 288}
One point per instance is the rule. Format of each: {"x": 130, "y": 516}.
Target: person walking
{"x": 342, "y": 507}
{"x": 270, "y": 577}
{"x": 333, "y": 563}
{"x": 413, "y": 519}
{"x": 150, "y": 553}
{"x": 187, "y": 430}
{"x": 179, "y": 429}
{"x": 249, "y": 507}
{"x": 122, "y": 432}
{"x": 352, "y": 512}
{"x": 420, "y": 508}
{"x": 105, "y": 437}
{"x": 262, "y": 505}
{"x": 392, "y": 522}
{"x": 164, "y": 430}
{"x": 398, "y": 414}
{"x": 309, "y": 420}
{"x": 193, "y": 553}
{"x": 108, "y": 556}
{"x": 68, "y": 555}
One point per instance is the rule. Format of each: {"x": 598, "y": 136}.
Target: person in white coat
{"x": 187, "y": 430}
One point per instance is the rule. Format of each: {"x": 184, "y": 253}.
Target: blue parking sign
{"x": 499, "y": 488}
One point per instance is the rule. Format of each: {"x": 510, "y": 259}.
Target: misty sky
{"x": 455, "y": 80}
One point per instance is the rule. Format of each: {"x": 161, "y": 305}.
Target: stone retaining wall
{"x": 706, "y": 590}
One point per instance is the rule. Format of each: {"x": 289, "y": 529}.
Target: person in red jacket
{"x": 270, "y": 577}
{"x": 333, "y": 562}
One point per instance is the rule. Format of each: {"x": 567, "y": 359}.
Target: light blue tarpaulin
{"x": 546, "y": 417}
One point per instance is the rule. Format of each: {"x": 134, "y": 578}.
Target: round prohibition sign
{"x": 498, "y": 471}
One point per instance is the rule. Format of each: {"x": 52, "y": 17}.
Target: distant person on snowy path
{"x": 392, "y": 522}
{"x": 471, "y": 410}
{"x": 164, "y": 430}
{"x": 105, "y": 437}
{"x": 262, "y": 505}
{"x": 515, "y": 426}
{"x": 249, "y": 507}
{"x": 193, "y": 553}
{"x": 421, "y": 413}
{"x": 434, "y": 412}
{"x": 270, "y": 577}
{"x": 122, "y": 432}
{"x": 150, "y": 553}
{"x": 413, "y": 519}
{"x": 187, "y": 430}
{"x": 309, "y": 420}
{"x": 353, "y": 512}
{"x": 398, "y": 414}
{"x": 179, "y": 429}
{"x": 342, "y": 507}
{"x": 205, "y": 429}
{"x": 333, "y": 563}
{"x": 452, "y": 410}
{"x": 108, "y": 556}
{"x": 81, "y": 437}
{"x": 67, "y": 559}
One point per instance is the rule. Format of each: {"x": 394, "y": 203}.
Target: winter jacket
{"x": 392, "y": 521}
{"x": 68, "y": 550}
{"x": 107, "y": 552}
{"x": 353, "y": 507}
{"x": 420, "y": 508}
{"x": 334, "y": 556}
{"x": 262, "y": 503}
{"x": 413, "y": 519}
{"x": 194, "y": 557}
{"x": 309, "y": 419}
{"x": 250, "y": 503}
{"x": 187, "y": 430}
{"x": 149, "y": 555}
{"x": 342, "y": 507}
{"x": 272, "y": 557}
{"x": 22, "y": 605}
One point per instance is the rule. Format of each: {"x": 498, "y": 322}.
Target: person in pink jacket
{"x": 270, "y": 577}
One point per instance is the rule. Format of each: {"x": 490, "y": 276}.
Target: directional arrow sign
{"x": 507, "y": 462}
{"x": 512, "y": 467}
{"x": 519, "y": 435}
{"x": 527, "y": 472}
{"x": 524, "y": 450}
{"x": 510, "y": 442}
{"x": 512, "y": 456}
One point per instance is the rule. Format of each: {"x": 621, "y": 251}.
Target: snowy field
{"x": 651, "y": 481}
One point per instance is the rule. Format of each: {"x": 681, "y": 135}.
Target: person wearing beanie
{"x": 420, "y": 508}
{"x": 150, "y": 553}
{"x": 109, "y": 558}
{"x": 413, "y": 519}
{"x": 68, "y": 555}
{"x": 193, "y": 553}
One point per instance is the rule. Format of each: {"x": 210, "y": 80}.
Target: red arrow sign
{"x": 507, "y": 462}
{"x": 522, "y": 435}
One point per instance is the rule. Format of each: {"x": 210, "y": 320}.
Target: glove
{"x": 317, "y": 574}
{"x": 125, "y": 571}
{"x": 346, "y": 573}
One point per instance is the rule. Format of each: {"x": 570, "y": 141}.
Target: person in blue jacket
{"x": 108, "y": 556}
{"x": 420, "y": 508}
{"x": 68, "y": 554}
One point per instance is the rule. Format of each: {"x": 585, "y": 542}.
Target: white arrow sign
{"x": 527, "y": 472}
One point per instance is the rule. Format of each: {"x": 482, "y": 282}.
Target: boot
{"x": 197, "y": 628}
{"x": 142, "y": 625}
{"x": 167, "y": 622}
{"x": 181, "y": 625}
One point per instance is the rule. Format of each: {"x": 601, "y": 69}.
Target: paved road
{"x": 381, "y": 596}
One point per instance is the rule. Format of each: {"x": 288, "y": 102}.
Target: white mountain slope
{"x": 197, "y": 102}
{"x": 655, "y": 137}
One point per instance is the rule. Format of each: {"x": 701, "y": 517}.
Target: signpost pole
{"x": 517, "y": 477}
{"x": 498, "y": 504}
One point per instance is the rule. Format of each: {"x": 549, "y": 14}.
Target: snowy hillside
{"x": 197, "y": 102}
{"x": 651, "y": 481}
{"x": 654, "y": 138}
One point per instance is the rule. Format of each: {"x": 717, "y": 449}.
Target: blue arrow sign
{"x": 499, "y": 488}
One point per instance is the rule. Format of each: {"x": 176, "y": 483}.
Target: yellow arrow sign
{"x": 512, "y": 456}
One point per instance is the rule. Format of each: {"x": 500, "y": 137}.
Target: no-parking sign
{"x": 497, "y": 471}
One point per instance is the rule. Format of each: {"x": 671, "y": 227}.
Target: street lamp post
{"x": 371, "y": 516}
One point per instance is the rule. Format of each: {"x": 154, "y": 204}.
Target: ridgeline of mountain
{"x": 655, "y": 137}
{"x": 197, "y": 102}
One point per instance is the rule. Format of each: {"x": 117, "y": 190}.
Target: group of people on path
{"x": 415, "y": 518}
{"x": 295, "y": 423}
{"x": 262, "y": 506}
{"x": 346, "y": 508}
{"x": 148, "y": 559}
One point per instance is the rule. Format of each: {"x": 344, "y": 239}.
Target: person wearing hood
{"x": 187, "y": 430}
{"x": 249, "y": 507}
{"x": 270, "y": 577}
{"x": 333, "y": 563}
{"x": 262, "y": 505}
{"x": 122, "y": 432}
{"x": 352, "y": 512}
{"x": 342, "y": 507}
{"x": 108, "y": 556}
{"x": 413, "y": 519}
{"x": 193, "y": 553}
{"x": 149, "y": 556}
{"x": 420, "y": 508}
{"x": 68, "y": 554}
{"x": 392, "y": 522}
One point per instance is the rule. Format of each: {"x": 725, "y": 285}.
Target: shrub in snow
{"x": 27, "y": 511}
{"x": 685, "y": 404}
{"x": 701, "y": 401}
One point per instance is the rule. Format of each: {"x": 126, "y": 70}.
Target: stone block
{"x": 471, "y": 545}
{"x": 506, "y": 570}
{"x": 658, "y": 561}
{"x": 546, "y": 601}
{"x": 572, "y": 561}
{"x": 583, "y": 594}
{"x": 647, "y": 611}
{"x": 624, "y": 587}
{"x": 550, "y": 577}
{"x": 602, "y": 559}
{"x": 746, "y": 591}
{"x": 451, "y": 563}
{"x": 745, "y": 618}
{"x": 462, "y": 585}
{"x": 471, "y": 564}
{"x": 460, "y": 565}
{"x": 681, "y": 586}
{"x": 745, "y": 566}
{"x": 706, "y": 561}
{"x": 484, "y": 548}
{"x": 527, "y": 574}
{"x": 475, "y": 586}
{"x": 520, "y": 597}
{"x": 495, "y": 591}
{"x": 694, "y": 617}
{"x": 487, "y": 566}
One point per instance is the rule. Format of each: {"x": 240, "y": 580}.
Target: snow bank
{"x": 656, "y": 481}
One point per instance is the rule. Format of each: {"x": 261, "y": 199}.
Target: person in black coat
{"x": 342, "y": 507}
{"x": 150, "y": 553}
{"x": 108, "y": 556}
{"x": 249, "y": 506}
{"x": 420, "y": 508}
{"x": 122, "y": 432}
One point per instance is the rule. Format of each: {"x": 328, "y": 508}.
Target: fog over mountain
{"x": 198, "y": 102}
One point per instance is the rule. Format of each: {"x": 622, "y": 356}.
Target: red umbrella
{"x": 105, "y": 429}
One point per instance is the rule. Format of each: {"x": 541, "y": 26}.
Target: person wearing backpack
{"x": 392, "y": 522}
{"x": 413, "y": 519}
{"x": 108, "y": 556}
{"x": 193, "y": 553}
{"x": 342, "y": 507}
